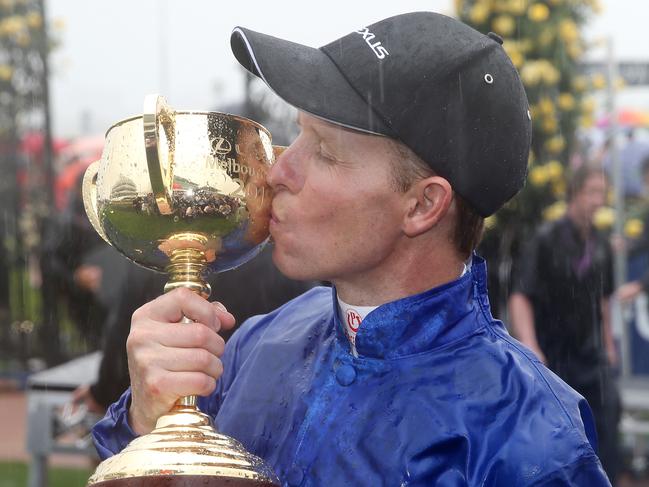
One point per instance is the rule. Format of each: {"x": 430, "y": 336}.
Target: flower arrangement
{"x": 544, "y": 42}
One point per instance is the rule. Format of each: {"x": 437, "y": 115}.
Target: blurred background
{"x": 69, "y": 69}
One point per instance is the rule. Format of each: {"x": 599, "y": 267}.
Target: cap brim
{"x": 305, "y": 78}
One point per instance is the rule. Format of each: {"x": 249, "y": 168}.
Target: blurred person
{"x": 560, "y": 308}
{"x": 630, "y": 290}
{"x": 412, "y": 130}
{"x": 68, "y": 239}
{"x": 631, "y": 155}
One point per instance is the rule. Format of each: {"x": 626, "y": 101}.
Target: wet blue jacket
{"x": 440, "y": 395}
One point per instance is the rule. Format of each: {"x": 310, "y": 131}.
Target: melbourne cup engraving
{"x": 183, "y": 192}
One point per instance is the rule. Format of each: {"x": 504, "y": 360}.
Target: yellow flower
{"x": 549, "y": 125}
{"x": 598, "y": 81}
{"x": 549, "y": 73}
{"x": 574, "y": 50}
{"x": 516, "y": 7}
{"x": 490, "y": 222}
{"x": 604, "y": 217}
{"x": 566, "y": 101}
{"x": 568, "y": 30}
{"x": 530, "y": 74}
{"x": 586, "y": 121}
{"x": 619, "y": 83}
{"x": 538, "y": 12}
{"x": 555, "y": 144}
{"x": 580, "y": 83}
{"x": 546, "y": 37}
{"x": 633, "y": 228}
{"x": 479, "y": 13}
{"x": 587, "y": 106}
{"x": 34, "y": 20}
{"x": 554, "y": 211}
{"x": 554, "y": 169}
{"x": 546, "y": 107}
{"x": 503, "y": 25}
{"x": 538, "y": 176}
{"x": 23, "y": 39}
{"x": 517, "y": 59}
{"x": 541, "y": 71}
{"x": 526, "y": 45}
{"x": 6, "y": 72}
{"x": 559, "y": 188}
{"x": 11, "y": 25}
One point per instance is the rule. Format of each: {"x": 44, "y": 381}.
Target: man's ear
{"x": 428, "y": 203}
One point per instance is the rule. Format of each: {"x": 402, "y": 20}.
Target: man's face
{"x": 592, "y": 196}
{"x": 336, "y": 212}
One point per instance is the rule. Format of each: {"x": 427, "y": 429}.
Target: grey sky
{"x": 113, "y": 53}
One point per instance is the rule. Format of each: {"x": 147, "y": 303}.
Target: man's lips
{"x": 274, "y": 215}
{"x": 274, "y": 219}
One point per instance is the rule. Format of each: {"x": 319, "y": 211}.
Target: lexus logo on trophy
{"x": 221, "y": 146}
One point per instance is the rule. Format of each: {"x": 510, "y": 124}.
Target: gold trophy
{"x": 183, "y": 192}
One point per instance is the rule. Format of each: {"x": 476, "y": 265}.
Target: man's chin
{"x": 290, "y": 267}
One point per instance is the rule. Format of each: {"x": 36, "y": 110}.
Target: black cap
{"x": 445, "y": 90}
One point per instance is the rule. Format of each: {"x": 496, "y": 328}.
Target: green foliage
{"x": 14, "y": 474}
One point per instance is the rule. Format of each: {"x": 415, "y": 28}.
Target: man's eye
{"x": 325, "y": 154}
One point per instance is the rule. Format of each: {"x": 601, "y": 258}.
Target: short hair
{"x": 580, "y": 176}
{"x": 408, "y": 167}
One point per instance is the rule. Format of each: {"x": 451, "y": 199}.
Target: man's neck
{"x": 401, "y": 275}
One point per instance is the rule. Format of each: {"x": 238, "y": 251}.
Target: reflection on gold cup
{"x": 183, "y": 192}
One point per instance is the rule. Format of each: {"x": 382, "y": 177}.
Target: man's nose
{"x": 283, "y": 172}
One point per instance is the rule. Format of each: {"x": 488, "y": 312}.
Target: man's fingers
{"x": 176, "y": 335}
{"x": 225, "y": 317}
{"x": 179, "y": 303}
{"x": 193, "y": 360}
{"x": 179, "y": 384}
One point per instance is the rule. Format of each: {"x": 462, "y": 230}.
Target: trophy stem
{"x": 186, "y": 269}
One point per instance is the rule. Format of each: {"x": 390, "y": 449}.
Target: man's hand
{"x": 168, "y": 360}
{"x": 629, "y": 291}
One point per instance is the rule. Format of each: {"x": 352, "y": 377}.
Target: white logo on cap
{"x": 368, "y": 37}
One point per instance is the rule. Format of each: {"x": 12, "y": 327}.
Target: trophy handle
{"x": 89, "y": 191}
{"x": 156, "y": 114}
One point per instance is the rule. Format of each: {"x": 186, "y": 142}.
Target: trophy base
{"x": 184, "y": 481}
{"x": 184, "y": 450}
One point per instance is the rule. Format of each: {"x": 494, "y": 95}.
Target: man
{"x": 560, "y": 305}
{"x": 411, "y": 131}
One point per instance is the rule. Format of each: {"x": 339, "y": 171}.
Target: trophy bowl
{"x": 183, "y": 192}
{"x": 177, "y": 179}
